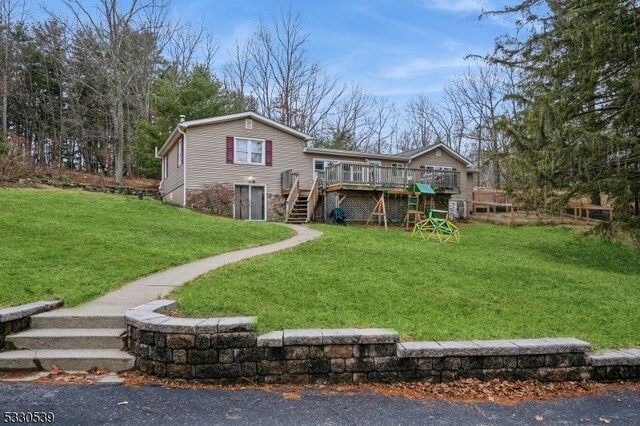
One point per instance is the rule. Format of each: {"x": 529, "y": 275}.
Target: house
{"x": 274, "y": 175}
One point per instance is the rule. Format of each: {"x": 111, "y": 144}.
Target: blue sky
{"x": 396, "y": 48}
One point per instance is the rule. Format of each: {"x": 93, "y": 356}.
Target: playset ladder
{"x": 414, "y": 212}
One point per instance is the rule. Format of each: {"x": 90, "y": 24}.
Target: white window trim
{"x": 325, "y": 161}
{"x": 266, "y": 200}
{"x": 374, "y": 172}
{"x": 249, "y": 140}
{"x": 438, "y": 152}
{"x": 399, "y": 169}
{"x": 438, "y": 168}
{"x": 352, "y": 169}
{"x": 180, "y": 152}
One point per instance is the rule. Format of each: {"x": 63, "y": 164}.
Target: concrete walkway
{"x": 160, "y": 284}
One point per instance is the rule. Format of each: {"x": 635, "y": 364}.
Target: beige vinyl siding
{"x": 445, "y": 160}
{"x": 175, "y": 178}
{"x": 175, "y": 197}
{"x": 430, "y": 159}
{"x": 207, "y": 156}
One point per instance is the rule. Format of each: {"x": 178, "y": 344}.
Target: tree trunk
{"x": 61, "y": 132}
{"x": 5, "y": 87}
{"x": 479, "y": 154}
{"x": 119, "y": 142}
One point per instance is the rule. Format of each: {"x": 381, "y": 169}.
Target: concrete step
{"x": 49, "y": 320}
{"x": 67, "y": 338}
{"x": 67, "y": 359}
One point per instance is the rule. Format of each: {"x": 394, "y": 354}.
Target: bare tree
{"x": 236, "y": 71}
{"x": 188, "y": 47}
{"x": 347, "y": 127}
{"x": 418, "y": 110}
{"x": 480, "y": 96}
{"x": 10, "y": 12}
{"x": 236, "y": 74}
{"x": 434, "y": 122}
{"x": 110, "y": 26}
{"x": 382, "y": 124}
{"x": 275, "y": 69}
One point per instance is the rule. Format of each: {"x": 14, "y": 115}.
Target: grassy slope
{"x": 500, "y": 282}
{"x": 78, "y": 245}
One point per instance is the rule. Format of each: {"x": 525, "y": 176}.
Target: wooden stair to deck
{"x": 299, "y": 212}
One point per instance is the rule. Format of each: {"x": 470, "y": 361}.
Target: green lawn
{"x": 499, "y": 282}
{"x": 77, "y": 245}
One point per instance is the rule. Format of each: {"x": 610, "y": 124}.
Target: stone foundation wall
{"x": 18, "y": 318}
{"x": 276, "y": 207}
{"x": 213, "y": 200}
{"x": 228, "y": 350}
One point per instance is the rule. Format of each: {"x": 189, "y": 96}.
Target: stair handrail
{"x": 312, "y": 199}
{"x": 292, "y": 197}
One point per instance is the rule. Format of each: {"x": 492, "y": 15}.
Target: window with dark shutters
{"x": 268, "y": 153}
{"x": 230, "y": 149}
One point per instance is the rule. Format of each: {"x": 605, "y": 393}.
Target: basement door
{"x": 249, "y": 202}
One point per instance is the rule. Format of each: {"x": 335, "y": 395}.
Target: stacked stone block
{"x": 621, "y": 364}
{"x": 228, "y": 350}
{"x": 18, "y": 318}
{"x": 527, "y": 359}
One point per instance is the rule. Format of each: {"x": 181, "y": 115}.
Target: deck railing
{"x": 389, "y": 177}
{"x": 287, "y": 179}
{"x": 312, "y": 199}
{"x": 294, "y": 191}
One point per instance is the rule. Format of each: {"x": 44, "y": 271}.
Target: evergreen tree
{"x": 198, "y": 94}
{"x": 578, "y": 126}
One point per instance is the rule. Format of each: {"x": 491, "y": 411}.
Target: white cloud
{"x": 467, "y": 6}
{"x": 472, "y": 6}
{"x": 419, "y": 67}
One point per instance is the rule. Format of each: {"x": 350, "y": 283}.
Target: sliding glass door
{"x": 249, "y": 202}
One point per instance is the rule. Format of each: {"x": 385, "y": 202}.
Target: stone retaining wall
{"x": 18, "y": 318}
{"x": 108, "y": 189}
{"x": 228, "y": 350}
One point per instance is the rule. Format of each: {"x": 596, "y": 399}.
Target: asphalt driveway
{"x": 114, "y": 404}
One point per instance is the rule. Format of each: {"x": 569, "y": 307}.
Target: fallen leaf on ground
{"x": 291, "y": 395}
{"x": 468, "y": 390}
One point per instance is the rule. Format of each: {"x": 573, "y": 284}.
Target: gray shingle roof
{"x": 413, "y": 152}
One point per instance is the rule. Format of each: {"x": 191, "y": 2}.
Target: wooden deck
{"x": 394, "y": 180}
{"x": 378, "y": 188}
